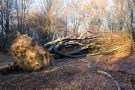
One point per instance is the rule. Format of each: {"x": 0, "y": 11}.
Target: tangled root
{"x": 27, "y": 56}
{"x": 20, "y": 46}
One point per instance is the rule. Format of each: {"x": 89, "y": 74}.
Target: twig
{"x": 110, "y": 76}
{"x": 106, "y": 74}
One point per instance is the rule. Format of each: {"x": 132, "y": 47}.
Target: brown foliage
{"x": 114, "y": 42}
{"x": 27, "y": 56}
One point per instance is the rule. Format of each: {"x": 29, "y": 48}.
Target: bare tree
{"x": 5, "y": 23}
{"x": 22, "y": 10}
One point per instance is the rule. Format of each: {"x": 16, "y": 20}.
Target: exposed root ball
{"x": 20, "y": 46}
{"x": 27, "y": 56}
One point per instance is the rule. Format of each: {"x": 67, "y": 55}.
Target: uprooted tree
{"x": 85, "y": 15}
{"x": 28, "y": 56}
{"x": 32, "y": 57}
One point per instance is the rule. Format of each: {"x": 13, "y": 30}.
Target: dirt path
{"x": 74, "y": 74}
{"x": 5, "y": 59}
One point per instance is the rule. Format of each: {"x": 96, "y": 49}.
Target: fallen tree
{"x": 32, "y": 57}
{"x": 105, "y": 43}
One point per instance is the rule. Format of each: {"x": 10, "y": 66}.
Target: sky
{"x": 109, "y": 2}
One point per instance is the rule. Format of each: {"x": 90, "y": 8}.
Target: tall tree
{"x": 5, "y": 23}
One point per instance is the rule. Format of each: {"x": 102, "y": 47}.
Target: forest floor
{"x": 74, "y": 74}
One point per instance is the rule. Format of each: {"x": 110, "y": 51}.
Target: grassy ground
{"x": 74, "y": 74}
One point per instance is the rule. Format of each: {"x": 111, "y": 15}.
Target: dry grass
{"x": 27, "y": 56}
{"x": 114, "y": 43}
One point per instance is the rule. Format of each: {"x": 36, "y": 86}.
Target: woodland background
{"x": 47, "y": 20}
